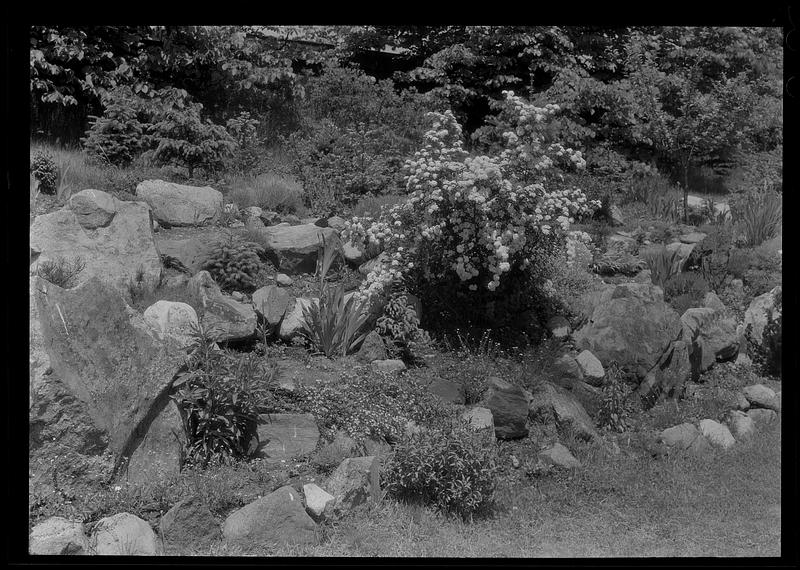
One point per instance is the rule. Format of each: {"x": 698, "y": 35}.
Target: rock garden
{"x": 496, "y": 361}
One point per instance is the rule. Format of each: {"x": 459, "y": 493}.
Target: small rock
{"x": 447, "y": 390}
{"x": 741, "y": 425}
{"x": 567, "y": 371}
{"x": 352, "y": 254}
{"x": 762, "y": 415}
{"x": 278, "y": 518}
{"x": 57, "y": 536}
{"x": 760, "y": 396}
{"x": 716, "y": 433}
{"x": 743, "y": 360}
{"x": 124, "y": 534}
{"x": 316, "y": 499}
{"x": 559, "y": 327}
{"x": 742, "y": 403}
{"x": 514, "y": 462}
{"x": 559, "y": 456}
{"x": 509, "y": 408}
{"x": 693, "y": 237}
{"x": 388, "y": 366}
{"x": 237, "y": 296}
{"x": 592, "y": 368}
{"x": 681, "y": 436}
{"x": 283, "y": 280}
{"x": 188, "y": 526}
{"x": 336, "y": 223}
{"x": 355, "y": 482}
{"x": 174, "y": 320}
{"x": 479, "y": 418}
{"x": 373, "y": 348}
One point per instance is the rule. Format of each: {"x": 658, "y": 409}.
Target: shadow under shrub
{"x": 453, "y": 471}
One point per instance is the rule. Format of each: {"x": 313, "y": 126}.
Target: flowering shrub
{"x": 477, "y": 224}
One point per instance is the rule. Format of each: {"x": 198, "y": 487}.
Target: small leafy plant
{"x": 61, "y": 271}
{"x": 454, "y": 472}
{"x": 334, "y": 325}
{"x": 685, "y": 290}
{"x": 220, "y": 396}
{"x": 760, "y": 215}
{"x": 45, "y": 170}
{"x": 615, "y": 410}
{"x": 235, "y": 264}
{"x": 399, "y": 324}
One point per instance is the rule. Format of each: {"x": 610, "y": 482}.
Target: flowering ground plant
{"x": 478, "y": 226}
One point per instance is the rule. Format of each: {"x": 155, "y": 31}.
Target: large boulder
{"x": 118, "y": 249}
{"x": 107, "y": 376}
{"x": 278, "y": 518}
{"x": 188, "y": 527}
{"x": 632, "y": 326}
{"x": 509, "y": 408}
{"x": 668, "y": 376}
{"x": 716, "y": 433}
{"x": 124, "y": 534}
{"x": 159, "y": 451}
{"x": 373, "y": 348}
{"x": 760, "y": 396}
{"x": 762, "y": 310}
{"x": 58, "y": 536}
{"x": 282, "y": 436}
{"x": 317, "y": 499}
{"x": 192, "y": 248}
{"x": 294, "y": 249}
{"x": 180, "y": 205}
{"x": 224, "y": 318}
{"x": 712, "y": 334}
{"x": 553, "y": 404}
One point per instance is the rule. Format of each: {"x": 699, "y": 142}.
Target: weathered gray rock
{"x": 223, "y": 317}
{"x": 717, "y": 433}
{"x": 93, "y": 208}
{"x": 693, "y": 237}
{"x": 58, "y": 536}
{"x": 388, "y": 366}
{"x": 712, "y": 301}
{"x": 294, "y": 323}
{"x": 124, "y": 534}
{"x": 449, "y": 391}
{"x": 188, "y": 527}
{"x": 742, "y": 402}
{"x": 117, "y": 253}
{"x": 559, "y": 327}
{"x": 180, "y": 205}
{"x": 110, "y": 373}
{"x": 278, "y": 518}
{"x": 373, "y": 348}
{"x": 283, "y": 280}
{"x": 681, "y": 436}
{"x": 762, "y": 415}
{"x": 559, "y": 456}
{"x": 758, "y": 313}
{"x": 759, "y": 396}
{"x": 158, "y": 454}
{"x": 352, "y": 254}
{"x": 631, "y": 326}
{"x": 479, "y": 418}
{"x": 509, "y": 409}
{"x": 669, "y": 374}
{"x": 684, "y": 251}
{"x": 591, "y": 367}
{"x": 317, "y": 499}
{"x": 173, "y": 321}
{"x": 336, "y": 223}
{"x": 551, "y": 403}
{"x": 567, "y": 370}
{"x": 271, "y": 303}
{"x": 741, "y": 425}
{"x": 282, "y": 436}
{"x": 294, "y": 248}
{"x": 192, "y": 251}
{"x": 713, "y": 335}
{"x": 355, "y": 482}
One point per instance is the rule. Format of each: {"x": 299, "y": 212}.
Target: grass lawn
{"x": 632, "y": 505}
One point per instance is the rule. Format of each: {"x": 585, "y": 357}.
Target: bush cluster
{"x": 476, "y": 234}
{"x": 45, "y": 170}
{"x": 235, "y": 264}
{"x": 615, "y": 410}
{"x": 220, "y": 397}
{"x": 452, "y": 471}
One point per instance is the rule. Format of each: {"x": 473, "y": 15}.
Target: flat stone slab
{"x": 282, "y": 436}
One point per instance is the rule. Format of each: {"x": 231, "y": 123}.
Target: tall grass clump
{"x": 759, "y": 214}
{"x": 268, "y": 191}
{"x": 662, "y": 264}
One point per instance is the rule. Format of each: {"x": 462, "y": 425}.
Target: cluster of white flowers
{"x": 573, "y": 237}
{"x": 477, "y": 217}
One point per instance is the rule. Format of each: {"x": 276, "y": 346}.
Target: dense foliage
{"x": 235, "y": 264}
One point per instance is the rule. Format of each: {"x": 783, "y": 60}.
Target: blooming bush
{"x": 476, "y": 231}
